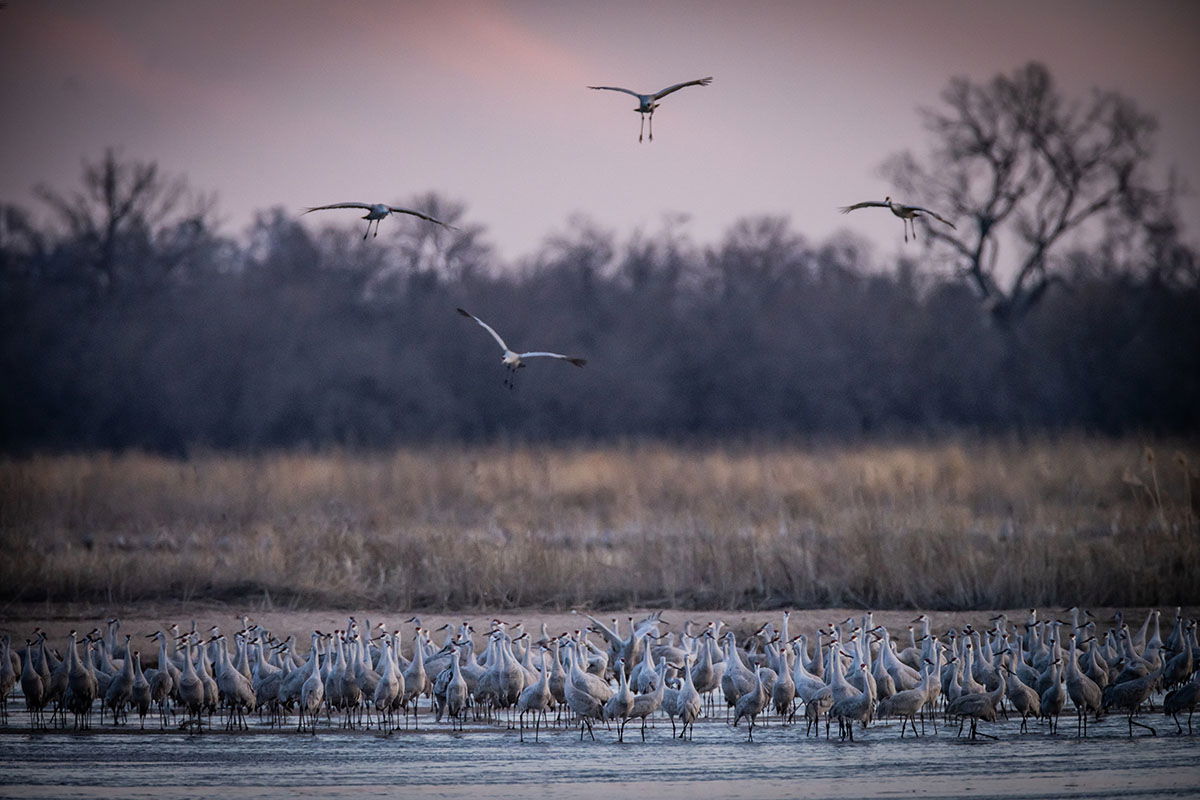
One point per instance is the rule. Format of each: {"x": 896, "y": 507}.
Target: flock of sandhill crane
{"x": 852, "y": 673}
{"x": 647, "y": 103}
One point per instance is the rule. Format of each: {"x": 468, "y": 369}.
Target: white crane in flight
{"x": 906, "y": 213}
{"x": 513, "y": 360}
{"x": 377, "y": 211}
{"x": 648, "y": 102}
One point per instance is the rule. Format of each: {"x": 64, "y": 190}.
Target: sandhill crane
{"x": 1184, "y": 698}
{"x": 33, "y": 687}
{"x": 190, "y": 687}
{"x": 120, "y": 691}
{"x": 854, "y": 708}
{"x": 585, "y": 693}
{"x": 514, "y": 361}
{"x": 1140, "y": 640}
{"x": 969, "y": 684}
{"x": 82, "y": 687}
{"x": 140, "y": 697}
{"x": 673, "y": 656}
{"x": 906, "y": 213}
{"x": 332, "y": 673}
{"x": 1024, "y": 699}
{"x": 595, "y": 659}
{"x": 1083, "y": 691}
{"x": 415, "y": 678}
{"x": 388, "y": 687}
{"x": 706, "y": 676}
{"x": 1054, "y": 697}
{"x": 1129, "y": 696}
{"x": 163, "y": 679}
{"x": 212, "y": 693}
{"x": 1134, "y": 664}
{"x": 737, "y": 678}
{"x": 903, "y": 676}
{"x": 644, "y": 674}
{"x": 620, "y": 704}
{"x": 647, "y": 103}
{"x": 235, "y": 690}
{"x": 535, "y": 699}
{"x": 683, "y": 702}
{"x": 558, "y": 677}
{"x": 840, "y": 688}
{"x": 751, "y": 704}
{"x": 1096, "y": 668}
{"x": 377, "y": 212}
{"x": 364, "y": 672}
{"x": 14, "y": 659}
{"x": 266, "y": 680}
{"x": 1179, "y": 667}
{"x": 977, "y": 707}
{"x": 312, "y": 691}
{"x": 648, "y": 702}
{"x": 807, "y": 684}
{"x": 783, "y": 690}
{"x": 501, "y": 685}
{"x": 908, "y": 702}
{"x": 9, "y": 674}
{"x": 350, "y": 690}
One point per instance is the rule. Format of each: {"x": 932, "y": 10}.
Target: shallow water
{"x": 781, "y": 762}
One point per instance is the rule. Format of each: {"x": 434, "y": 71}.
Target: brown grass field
{"x": 948, "y": 525}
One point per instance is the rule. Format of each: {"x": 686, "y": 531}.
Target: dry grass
{"x": 949, "y": 525}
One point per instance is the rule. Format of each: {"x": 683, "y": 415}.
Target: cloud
{"x": 492, "y": 45}
{"x": 90, "y": 51}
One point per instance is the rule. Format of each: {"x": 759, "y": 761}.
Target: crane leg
{"x": 642, "y": 130}
{"x": 1133, "y": 722}
{"x": 652, "y": 126}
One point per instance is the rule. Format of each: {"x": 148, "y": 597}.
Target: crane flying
{"x": 648, "y": 102}
{"x": 514, "y": 361}
{"x": 377, "y": 211}
{"x": 906, "y": 213}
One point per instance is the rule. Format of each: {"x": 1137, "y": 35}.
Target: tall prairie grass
{"x": 950, "y": 525}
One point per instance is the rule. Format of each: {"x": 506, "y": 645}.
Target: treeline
{"x": 151, "y": 331}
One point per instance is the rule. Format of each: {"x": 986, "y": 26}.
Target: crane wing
{"x": 486, "y": 327}
{"x": 933, "y": 214}
{"x": 866, "y": 204}
{"x": 608, "y": 633}
{"x": 426, "y": 217}
{"x": 661, "y": 93}
{"x": 617, "y": 89}
{"x": 647, "y": 624}
{"x": 579, "y": 362}
{"x": 367, "y": 206}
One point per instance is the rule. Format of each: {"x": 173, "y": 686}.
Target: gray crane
{"x": 379, "y": 211}
{"x": 751, "y": 704}
{"x": 514, "y": 361}
{"x": 1129, "y": 695}
{"x": 647, "y": 103}
{"x": 907, "y": 214}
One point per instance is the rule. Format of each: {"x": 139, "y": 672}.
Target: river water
{"x": 490, "y": 762}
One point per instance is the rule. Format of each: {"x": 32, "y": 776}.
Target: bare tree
{"x": 1029, "y": 167}
{"x": 130, "y": 220}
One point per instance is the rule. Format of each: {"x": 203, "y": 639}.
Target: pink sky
{"x": 306, "y": 103}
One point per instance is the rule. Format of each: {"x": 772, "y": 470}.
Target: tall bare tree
{"x": 130, "y": 221}
{"x": 1027, "y": 167}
